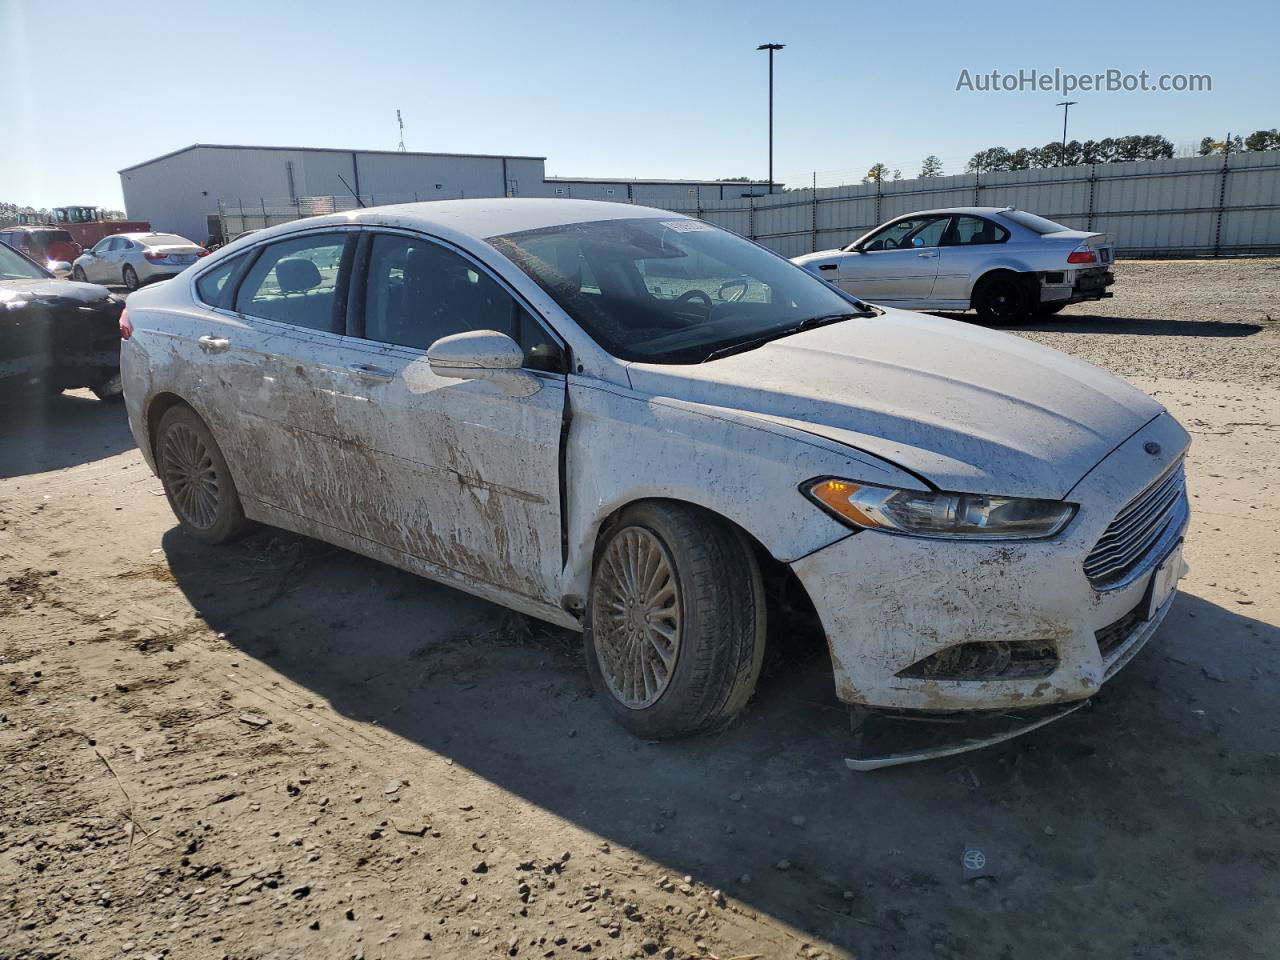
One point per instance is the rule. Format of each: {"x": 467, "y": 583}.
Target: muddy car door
{"x": 457, "y": 473}
{"x": 278, "y": 366}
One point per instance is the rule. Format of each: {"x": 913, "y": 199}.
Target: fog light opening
{"x": 988, "y": 660}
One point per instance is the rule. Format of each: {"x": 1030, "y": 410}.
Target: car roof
{"x": 483, "y": 218}
{"x": 975, "y": 211}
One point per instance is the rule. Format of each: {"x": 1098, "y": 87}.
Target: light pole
{"x": 1066, "y": 106}
{"x": 771, "y": 47}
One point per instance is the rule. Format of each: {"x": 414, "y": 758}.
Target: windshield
{"x": 1032, "y": 222}
{"x": 667, "y": 290}
{"x": 14, "y": 266}
{"x": 165, "y": 240}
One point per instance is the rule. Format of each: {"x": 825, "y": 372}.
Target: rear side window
{"x": 296, "y": 282}
{"x": 418, "y": 291}
{"x": 212, "y": 285}
{"x": 967, "y": 231}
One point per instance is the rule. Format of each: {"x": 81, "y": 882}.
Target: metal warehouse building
{"x": 187, "y": 191}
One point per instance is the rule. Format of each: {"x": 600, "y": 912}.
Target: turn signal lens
{"x": 961, "y": 516}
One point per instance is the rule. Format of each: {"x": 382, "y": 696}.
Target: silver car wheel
{"x": 636, "y": 617}
{"x": 189, "y": 473}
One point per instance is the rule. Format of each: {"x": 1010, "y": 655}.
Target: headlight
{"x": 961, "y": 516}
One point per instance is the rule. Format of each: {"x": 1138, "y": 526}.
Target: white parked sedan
{"x": 1006, "y": 264}
{"x": 638, "y": 425}
{"x": 136, "y": 258}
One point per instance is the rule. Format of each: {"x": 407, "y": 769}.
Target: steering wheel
{"x": 737, "y": 287}
{"x": 689, "y": 296}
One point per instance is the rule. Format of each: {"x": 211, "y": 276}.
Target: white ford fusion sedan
{"x": 643, "y": 427}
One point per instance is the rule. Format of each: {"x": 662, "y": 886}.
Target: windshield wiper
{"x": 809, "y": 324}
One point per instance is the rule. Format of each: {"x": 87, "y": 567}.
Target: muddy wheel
{"x": 109, "y": 389}
{"x": 675, "y": 625}
{"x": 1002, "y": 300}
{"x": 196, "y": 479}
{"x": 77, "y": 274}
{"x": 130, "y": 277}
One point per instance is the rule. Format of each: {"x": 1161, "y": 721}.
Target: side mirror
{"x": 60, "y": 269}
{"x": 917, "y": 242}
{"x": 483, "y": 355}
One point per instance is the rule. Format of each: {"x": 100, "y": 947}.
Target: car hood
{"x": 968, "y": 409}
{"x": 53, "y": 291}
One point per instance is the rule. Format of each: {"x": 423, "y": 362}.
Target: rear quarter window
{"x": 211, "y": 286}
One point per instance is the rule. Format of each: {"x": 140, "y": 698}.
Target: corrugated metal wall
{"x": 1196, "y": 206}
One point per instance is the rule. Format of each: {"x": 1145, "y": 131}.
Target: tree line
{"x": 1142, "y": 146}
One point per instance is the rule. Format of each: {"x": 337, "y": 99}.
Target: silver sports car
{"x": 1006, "y": 264}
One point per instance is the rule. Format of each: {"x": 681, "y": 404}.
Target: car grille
{"x": 1136, "y": 529}
{"x": 1113, "y": 635}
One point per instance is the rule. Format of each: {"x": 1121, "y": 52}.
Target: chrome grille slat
{"x": 1122, "y": 545}
{"x": 1139, "y": 525}
{"x": 1121, "y": 527}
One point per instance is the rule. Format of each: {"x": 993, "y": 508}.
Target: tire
{"x": 109, "y": 389}
{"x": 704, "y": 586}
{"x": 1002, "y": 300}
{"x": 77, "y": 274}
{"x": 196, "y": 479}
{"x": 130, "y": 277}
{"x": 1049, "y": 309}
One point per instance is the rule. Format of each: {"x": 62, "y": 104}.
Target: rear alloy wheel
{"x": 130, "y": 277}
{"x": 1002, "y": 300}
{"x": 77, "y": 274}
{"x": 674, "y": 631}
{"x": 196, "y": 479}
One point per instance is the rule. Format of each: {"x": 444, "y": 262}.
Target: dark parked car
{"x": 56, "y": 332}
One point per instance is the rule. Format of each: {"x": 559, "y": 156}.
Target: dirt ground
{"x": 281, "y": 750}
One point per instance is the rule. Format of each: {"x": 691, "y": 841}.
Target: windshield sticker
{"x": 686, "y": 226}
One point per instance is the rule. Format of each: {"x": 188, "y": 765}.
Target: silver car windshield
{"x": 667, "y": 290}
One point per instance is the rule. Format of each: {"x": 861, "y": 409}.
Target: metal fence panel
{"x": 1191, "y": 206}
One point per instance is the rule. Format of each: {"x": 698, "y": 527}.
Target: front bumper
{"x": 887, "y": 602}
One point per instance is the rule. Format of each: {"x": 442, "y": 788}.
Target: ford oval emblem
{"x": 1151, "y": 447}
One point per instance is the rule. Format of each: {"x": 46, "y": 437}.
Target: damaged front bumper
{"x": 1018, "y": 626}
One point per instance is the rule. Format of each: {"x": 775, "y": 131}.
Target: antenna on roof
{"x": 401, "y": 122}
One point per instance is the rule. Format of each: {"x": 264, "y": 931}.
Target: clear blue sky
{"x": 654, "y": 89}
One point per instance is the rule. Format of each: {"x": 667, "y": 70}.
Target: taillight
{"x": 154, "y": 255}
{"x": 1082, "y": 256}
{"x": 126, "y": 327}
{"x": 203, "y": 252}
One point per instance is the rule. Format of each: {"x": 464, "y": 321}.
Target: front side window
{"x": 296, "y": 282}
{"x": 418, "y": 291}
{"x": 908, "y": 234}
{"x": 666, "y": 290}
{"x": 966, "y": 231}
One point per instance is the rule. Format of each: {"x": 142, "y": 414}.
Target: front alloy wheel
{"x": 636, "y": 614}
{"x": 675, "y": 624}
